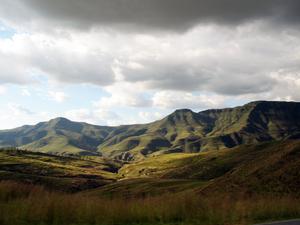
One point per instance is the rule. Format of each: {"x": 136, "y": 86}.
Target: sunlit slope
{"x": 271, "y": 167}
{"x": 267, "y": 168}
{"x": 57, "y": 172}
{"x": 59, "y": 136}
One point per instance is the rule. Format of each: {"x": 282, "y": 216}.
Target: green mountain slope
{"x": 57, "y": 136}
{"x": 187, "y": 131}
{"x": 182, "y": 131}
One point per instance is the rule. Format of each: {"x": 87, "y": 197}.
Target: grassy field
{"x": 145, "y": 187}
{"x": 33, "y": 205}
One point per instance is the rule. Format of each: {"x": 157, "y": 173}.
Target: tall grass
{"x": 32, "y": 205}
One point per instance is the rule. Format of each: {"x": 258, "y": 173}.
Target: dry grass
{"x": 28, "y": 204}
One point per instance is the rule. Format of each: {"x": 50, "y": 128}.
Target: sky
{"x": 112, "y": 62}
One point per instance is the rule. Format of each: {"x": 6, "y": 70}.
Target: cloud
{"x": 213, "y": 59}
{"x": 57, "y": 96}
{"x": 2, "y": 90}
{"x": 208, "y": 58}
{"x": 18, "y": 110}
{"x": 288, "y": 87}
{"x": 95, "y": 116}
{"x": 148, "y": 14}
{"x": 15, "y": 115}
{"x": 104, "y": 117}
{"x": 14, "y": 70}
{"x": 180, "y": 99}
{"x": 148, "y": 117}
{"x": 124, "y": 94}
{"x": 65, "y": 59}
{"x": 25, "y": 92}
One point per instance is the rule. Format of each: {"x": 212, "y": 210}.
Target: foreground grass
{"x": 28, "y": 204}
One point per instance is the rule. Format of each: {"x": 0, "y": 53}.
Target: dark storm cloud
{"x": 157, "y": 14}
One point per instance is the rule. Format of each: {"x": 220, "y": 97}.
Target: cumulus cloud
{"x": 14, "y": 70}
{"x": 25, "y": 92}
{"x": 150, "y": 116}
{"x": 208, "y": 58}
{"x": 110, "y": 118}
{"x": 124, "y": 94}
{"x": 66, "y": 59}
{"x": 288, "y": 87}
{"x": 57, "y": 96}
{"x": 214, "y": 59}
{"x": 15, "y": 115}
{"x": 94, "y": 116}
{"x": 18, "y": 109}
{"x": 175, "y": 100}
{"x": 2, "y": 90}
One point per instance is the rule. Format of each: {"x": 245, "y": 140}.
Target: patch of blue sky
{"x": 37, "y": 99}
{"x": 83, "y": 95}
{"x": 233, "y": 102}
{"x": 6, "y": 32}
{"x": 130, "y": 115}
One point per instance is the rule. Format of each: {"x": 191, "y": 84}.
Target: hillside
{"x": 262, "y": 168}
{"x": 60, "y": 136}
{"x": 187, "y": 131}
{"x": 56, "y": 172}
{"x": 247, "y": 169}
{"x": 182, "y": 131}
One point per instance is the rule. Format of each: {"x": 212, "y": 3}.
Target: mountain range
{"x": 182, "y": 131}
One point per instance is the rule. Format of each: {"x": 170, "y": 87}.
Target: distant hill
{"x": 59, "y": 135}
{"x": 181, "y": 131}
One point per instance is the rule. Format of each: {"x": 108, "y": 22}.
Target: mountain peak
{"x": 60, "y": 122}
{"x": 58, "y": 119}
{"x": 260, "y": 102}
{"x": 180, "y": 111}
{"x": 185, "y": 116}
